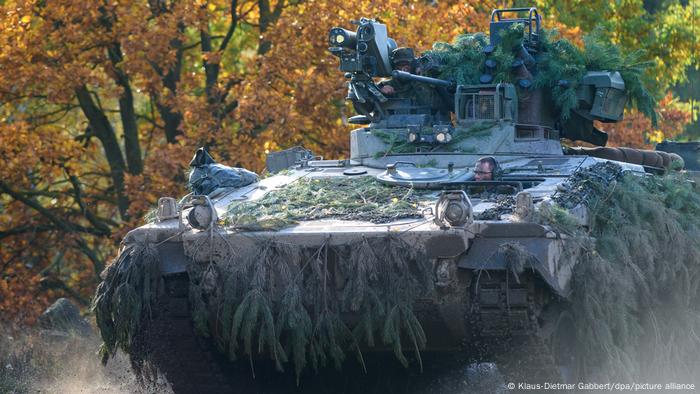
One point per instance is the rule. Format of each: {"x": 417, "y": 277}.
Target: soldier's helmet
{"x": 402, "y": 55}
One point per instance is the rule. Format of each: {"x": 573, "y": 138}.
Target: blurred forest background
{"x": 103, "y": 104}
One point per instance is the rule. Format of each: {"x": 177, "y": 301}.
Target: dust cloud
{"x": 40, "y": 361}
{"x": 44, "y": 361}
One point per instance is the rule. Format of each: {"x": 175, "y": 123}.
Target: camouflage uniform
{"x": 423, "y": 95}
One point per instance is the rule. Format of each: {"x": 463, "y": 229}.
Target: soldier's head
{"x": 402, "y": 59}
{"x": 485, "y": 169}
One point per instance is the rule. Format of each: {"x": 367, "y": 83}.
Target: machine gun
{"x": 445, "y": 89}
{"x": 404, "y": 76}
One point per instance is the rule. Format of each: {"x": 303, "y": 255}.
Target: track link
{"x": 503, "y": 319}
{"x": 187, "y": 361}
{"x": 505, "y": 324}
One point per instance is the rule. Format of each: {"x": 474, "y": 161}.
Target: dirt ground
{"x": 36, "y": 361}
{"x": 40, "y": 361}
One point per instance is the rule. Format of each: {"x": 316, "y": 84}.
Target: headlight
{"x": 443, "y": 134}
{"x": 456, "y": 212}
{"x": 453, "y": 208}
{"x": 412, "y": 136}
{"x": 203, "y": 214}
{"x": 443, "y": 137}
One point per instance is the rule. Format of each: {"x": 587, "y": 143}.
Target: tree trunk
{"x": 172, "y": 118}
{"x": 103, "y": 130}
{"x": 132, "y": 146}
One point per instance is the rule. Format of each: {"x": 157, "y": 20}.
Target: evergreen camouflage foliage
{"x": 281, "y": 301}
{"x": 124, "y": 299}
{"x": 637, "y": 282}
{"x": 557, "y": 60}
{"x": 360, "y": 198}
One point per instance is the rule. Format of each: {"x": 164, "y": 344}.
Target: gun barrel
{"x": 404, "y": 76}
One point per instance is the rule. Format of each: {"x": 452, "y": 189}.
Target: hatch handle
{"x": 391, "y": 168}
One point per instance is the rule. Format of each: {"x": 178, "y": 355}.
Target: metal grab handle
{"x": 391, "y": 168}
{"x": 497, "y": 12}
{"x": 396, "y": 163}
{"x": 533, "y": 15}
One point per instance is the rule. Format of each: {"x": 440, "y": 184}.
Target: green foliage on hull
{"x": 277, "y": 300}
{"x": 344, "y": 198}
{"x": 636, "y": 285}
{"x": 281, "y": 301}
{"x": 124, "y": 300}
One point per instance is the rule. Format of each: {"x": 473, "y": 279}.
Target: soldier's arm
{"x": 387, "y": 86}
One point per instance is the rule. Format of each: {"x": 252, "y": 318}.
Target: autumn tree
{"x": 102, "y": 104}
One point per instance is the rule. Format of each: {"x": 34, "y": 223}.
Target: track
{"x": 188, "y": 361}
{"x": 504, "y": 324}
{"x": 511, "y": 324}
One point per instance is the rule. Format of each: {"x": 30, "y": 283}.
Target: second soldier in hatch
{"x": 403, "y": 59}
{"x": 422, "y": 94}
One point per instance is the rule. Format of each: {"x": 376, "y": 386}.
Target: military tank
{"x": 411, "y": 245}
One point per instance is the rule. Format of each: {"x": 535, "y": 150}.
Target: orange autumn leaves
{"x": 637, "y": 131}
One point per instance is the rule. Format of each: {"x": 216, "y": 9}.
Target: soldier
{"x": 485, "y": 168}
{"x": 403, "y": 59}
{"x": 423, "y": 95}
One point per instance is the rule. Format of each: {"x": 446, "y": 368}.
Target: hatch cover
{"x": 355, "y": 171}
{"x": 421, "y": 177}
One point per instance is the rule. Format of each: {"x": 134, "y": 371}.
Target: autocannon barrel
{"x": 404, "y": 76}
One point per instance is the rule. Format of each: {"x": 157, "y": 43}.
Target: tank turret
{"x": 509, "y": 109}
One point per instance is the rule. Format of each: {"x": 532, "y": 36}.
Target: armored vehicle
{"x": 411, "y": 245}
